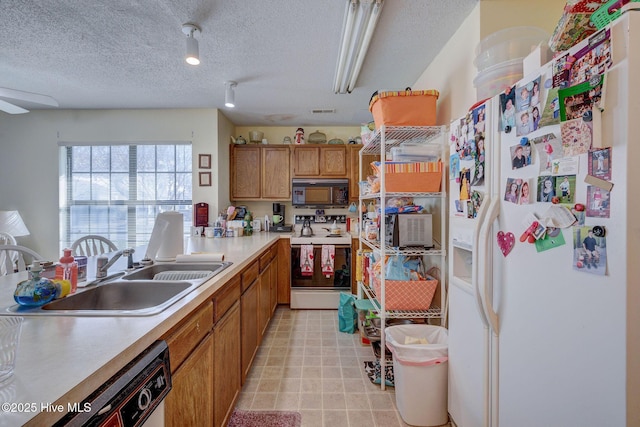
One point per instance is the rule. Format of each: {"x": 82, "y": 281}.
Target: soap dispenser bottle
{"x": 67, "y": 269}
{"x": 36, "y": 290}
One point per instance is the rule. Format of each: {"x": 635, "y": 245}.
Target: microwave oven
{"x": 331, "y": 193}
{"x": 411, "y": 229}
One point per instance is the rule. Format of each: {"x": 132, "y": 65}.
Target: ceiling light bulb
{"x": 193, "y": 52}
{"x": 229, "y": 94}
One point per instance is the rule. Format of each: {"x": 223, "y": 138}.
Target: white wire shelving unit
{"x": 384, "y": 139}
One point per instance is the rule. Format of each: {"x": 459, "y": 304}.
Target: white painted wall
{"x": 452, "y": 71}
{"x": 29, "y": 162}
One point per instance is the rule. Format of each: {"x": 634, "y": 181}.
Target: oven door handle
{"x": 316, "y": 245}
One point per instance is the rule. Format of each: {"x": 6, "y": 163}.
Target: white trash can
{"x": 420, "y": 373}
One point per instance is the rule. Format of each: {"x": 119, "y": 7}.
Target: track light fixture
{"x": 229, "y": 94}
{"x": 193, "y": 52}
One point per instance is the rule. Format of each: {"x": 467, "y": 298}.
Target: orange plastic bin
{"x": 404, "y": 108}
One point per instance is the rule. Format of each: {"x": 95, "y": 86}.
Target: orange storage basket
{"x": 404, "y": 108}
{"x": 407, "y": 295}
{"x": 413, "y": 182}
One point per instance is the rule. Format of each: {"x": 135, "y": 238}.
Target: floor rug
{"x": 241, "y": 418}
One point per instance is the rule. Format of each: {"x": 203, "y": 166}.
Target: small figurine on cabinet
{"x": 299, "y": 138}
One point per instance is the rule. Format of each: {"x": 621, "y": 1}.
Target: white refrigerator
{"x": 549, "y": 334}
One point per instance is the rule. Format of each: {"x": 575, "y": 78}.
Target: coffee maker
{"x": 277, "y": 219}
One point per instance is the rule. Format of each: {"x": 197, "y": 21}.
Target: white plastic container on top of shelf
{"x": 508, "y": 44}
{"x": 495, "y": 79}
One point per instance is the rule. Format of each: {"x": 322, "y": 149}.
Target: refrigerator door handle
{"x": 478, "y": 260}
{"x": 485, "y": 247}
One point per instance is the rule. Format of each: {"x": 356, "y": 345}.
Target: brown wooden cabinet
{"x": 191, "y": 400}
{"x": 245, "y": 172}
{"x": 260, "y": 172}
{"x": 226, "y": 365}
{"x": 354, "y": 170}
{"x": 325, "y": 161}
{"x": 284, "y": 271}
{"x": 212, "y": 349}
{"x": 265, "y": 286}
{"x": 249, "y": 326}
{"x": 273, "y": 299}
{"x": 276, "y": 173}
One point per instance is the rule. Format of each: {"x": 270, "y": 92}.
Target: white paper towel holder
{"x": 167, "y": 237}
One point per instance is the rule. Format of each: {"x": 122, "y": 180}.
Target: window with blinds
{"x": 116, "y": 191}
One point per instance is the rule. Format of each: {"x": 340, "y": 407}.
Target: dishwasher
{"x": 132, "y": 397}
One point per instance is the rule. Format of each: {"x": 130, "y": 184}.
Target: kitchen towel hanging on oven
{"x": 306, "y": 260}
{"x": 328, "y": 255}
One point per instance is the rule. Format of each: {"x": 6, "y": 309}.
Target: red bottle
{"x": 67, "y": 269}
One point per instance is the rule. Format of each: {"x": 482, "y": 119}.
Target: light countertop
{"x": 61, "y": 360}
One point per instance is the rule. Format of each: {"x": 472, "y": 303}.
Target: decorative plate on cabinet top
{"x": 317, "y": 138}
{"x": 335, "y": 141}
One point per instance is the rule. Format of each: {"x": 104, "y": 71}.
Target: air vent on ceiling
{"x": 323, "y": 111}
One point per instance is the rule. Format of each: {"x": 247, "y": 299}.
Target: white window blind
{"x": 116, "y": 190}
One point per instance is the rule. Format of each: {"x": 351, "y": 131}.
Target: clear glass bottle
{"x": 35, "y": 291}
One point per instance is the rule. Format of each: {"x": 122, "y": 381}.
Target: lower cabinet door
{"x": 249, "y": 314}
{"x": 226, "y": 376}
{"x": 190, "y": 401}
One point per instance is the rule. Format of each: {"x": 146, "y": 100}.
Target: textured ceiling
{"x": 129, "y": 54}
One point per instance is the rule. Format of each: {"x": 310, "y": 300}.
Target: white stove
{"x": 319, "y": 291}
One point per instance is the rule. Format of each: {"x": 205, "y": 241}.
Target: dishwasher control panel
{"x": 130, "y": 396}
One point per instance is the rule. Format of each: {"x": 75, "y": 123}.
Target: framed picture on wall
{"x": 205, "y": 179}
{"x": 204, "y": 161}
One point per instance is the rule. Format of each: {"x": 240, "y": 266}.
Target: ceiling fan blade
{"x": 27, "y": 96}
{"x": 11, "y": 109}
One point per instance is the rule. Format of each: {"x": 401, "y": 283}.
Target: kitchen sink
{"x": 144, "y": 292}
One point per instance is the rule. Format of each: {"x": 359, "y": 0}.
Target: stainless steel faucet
{"x": 126, "y": 252}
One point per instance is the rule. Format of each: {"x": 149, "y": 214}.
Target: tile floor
{"x": 305, "y": 364}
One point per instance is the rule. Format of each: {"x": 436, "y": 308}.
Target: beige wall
{"x": 29, "y": 167}
{"x": 452, "y": 71}
{"x": 497, "y": 15}
{"x": 275, "y": 134}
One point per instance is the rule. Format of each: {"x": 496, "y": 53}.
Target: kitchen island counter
{"x": 61, "y": 360}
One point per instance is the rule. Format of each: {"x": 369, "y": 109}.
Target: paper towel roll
{"x": 171, "y": 237}
{"x": 201, "y": 257}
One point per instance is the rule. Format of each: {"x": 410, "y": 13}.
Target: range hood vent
{"x": 323, "y": 111}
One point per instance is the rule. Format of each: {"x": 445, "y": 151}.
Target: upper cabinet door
{"x": 333, "y": 161}
{"x": 245, "y": 167}
{"x": 306, "y": 161}
{"x": 276, "y": 173}
{"x": 326, "y": 161}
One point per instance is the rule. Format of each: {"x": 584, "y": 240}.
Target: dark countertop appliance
{"x": 277, "y": 220}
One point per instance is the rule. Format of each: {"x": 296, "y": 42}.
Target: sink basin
{"x": 178, "y": 271}
{"x": 121, "y": 295}
{"x": 143, "y": 292}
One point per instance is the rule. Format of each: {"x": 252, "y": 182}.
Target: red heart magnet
{"x": 506, "y": 242}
